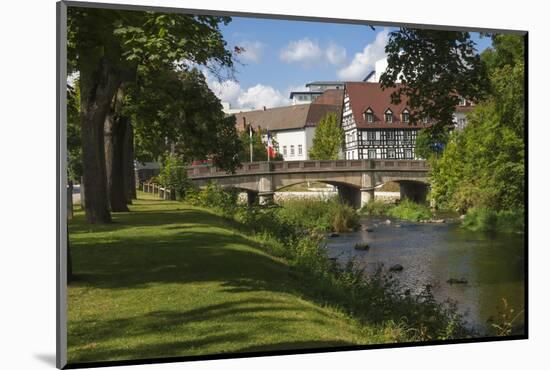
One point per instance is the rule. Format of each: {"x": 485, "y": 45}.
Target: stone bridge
{"x": 354, "y": 179}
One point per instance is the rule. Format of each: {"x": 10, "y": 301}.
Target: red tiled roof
{"x": 294, "y": 116}
{"x": 364, "y": 95}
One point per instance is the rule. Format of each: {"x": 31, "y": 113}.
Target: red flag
{"x": 271, "y": 153}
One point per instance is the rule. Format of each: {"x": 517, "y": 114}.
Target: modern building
{"x": 227, "y": 109}
{"x": 293, "y": 127}
{"x": 314, "y": 90}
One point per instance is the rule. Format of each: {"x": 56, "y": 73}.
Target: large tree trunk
{"x": 115, "y": 129}
{"x": 98, "y": 84}
{"x": 129, "y": 170}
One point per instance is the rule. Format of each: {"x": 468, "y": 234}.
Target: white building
{"x": 226, "y": 107}
{"x": 313, "y": 91}
{"x": 293, "y": 127}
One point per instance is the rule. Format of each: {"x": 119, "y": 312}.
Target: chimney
{"x": 244, "y": 122}
{"x": 264, "y": 107}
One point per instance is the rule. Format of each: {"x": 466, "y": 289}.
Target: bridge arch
{"x": 355, "y": 179}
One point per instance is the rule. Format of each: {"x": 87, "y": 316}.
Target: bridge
{"x": 354, "y": 179}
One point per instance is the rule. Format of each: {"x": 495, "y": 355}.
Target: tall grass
{"x": 411, "y": 211}
{"x": 319, "y": 214}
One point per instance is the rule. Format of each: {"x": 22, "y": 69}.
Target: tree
{"x": 176, "y": 112}
{"x": 74, "y": 147}
{"x": 328, "y": 139}
{"x": 259, "y": 149}
{"x": 483, "y": 165}
{"x": 110, "y": 47}
{"x": 435, "y": 68}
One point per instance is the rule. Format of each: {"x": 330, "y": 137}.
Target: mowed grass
{"x": 168, "y": 279}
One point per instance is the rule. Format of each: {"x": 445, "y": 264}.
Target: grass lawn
{"x": 168, "y": 279}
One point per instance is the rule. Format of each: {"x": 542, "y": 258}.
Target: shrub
{"x": 376, "y": 208}
{"x": 173, "y": 175}
{"x": 214, "y": 196}
{"x": 488, "y": 220}
{"x": 319, "y": 214}
{"x": 409, "y": 210}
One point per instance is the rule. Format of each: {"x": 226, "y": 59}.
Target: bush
{"x": 215, "y": 197}
{"x": 173, "y": 175}
{"x": 318, "y": 214}
{"x": 411, "y": 211}
{"x": 376, "y": 208}
{"x": 489, "y": 220}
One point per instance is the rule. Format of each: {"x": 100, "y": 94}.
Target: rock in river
{"x": 397, "y": 267}
{"x": 362, "y": 246}
{"x": 457, "y": 281}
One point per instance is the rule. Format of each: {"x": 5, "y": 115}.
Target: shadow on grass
{"x": 238, "y": 323}
{"x": 184, "y": 247}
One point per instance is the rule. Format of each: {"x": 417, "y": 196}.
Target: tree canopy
{"x": 328, "y": 139}
{"x": 434, "y": 68}
{"x": 112, "y": 49}
{"x": 483, "y": 165}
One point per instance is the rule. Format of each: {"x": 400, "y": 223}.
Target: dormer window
{"x": 368, "y": 115}
{"x": 405, "y": 115}
{"x": 461, "y": 101}
{"x": 425, "y": 120}
{"x": 388, "y": 115}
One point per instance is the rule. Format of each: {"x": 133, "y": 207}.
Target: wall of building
{"x": 293, "y": 144}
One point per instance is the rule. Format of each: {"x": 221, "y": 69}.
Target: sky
{"x": 282, "y": 56}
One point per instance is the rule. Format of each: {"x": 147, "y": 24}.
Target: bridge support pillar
{"x": 367, "y": 195}
{"x": 266, "y": 190}
{"x": 266, "y": 199}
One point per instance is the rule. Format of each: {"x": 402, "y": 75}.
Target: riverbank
{"x": 169, "y": 279}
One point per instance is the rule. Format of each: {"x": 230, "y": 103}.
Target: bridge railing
{"x": 310, "y": 166}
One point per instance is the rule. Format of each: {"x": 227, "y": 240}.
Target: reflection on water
{"x": 493, "y": 265}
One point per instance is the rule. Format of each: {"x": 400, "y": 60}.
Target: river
{"x": 493, "y": 265}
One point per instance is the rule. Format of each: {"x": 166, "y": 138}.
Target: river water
{"x": 493, "y": 265}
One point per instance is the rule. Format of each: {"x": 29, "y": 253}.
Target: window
{"x": 408, "y": 154}
{"x": 388, "y": 116}
{"x": 390, "y": 135}
{"x": 372, "y": 153}
{"x": 371, "y": 135}
{"x": 407, "y": 135}
{"x": 461, "y": 101}
{"x": 391, "y": 153}
{"x": 425, "y": 120}
{"x": 461, "y": 122}
{"x": 368, "y": 115}
{"x": 405, "y": 116}
{"x": 292, "y": 150}
{"x": 299, "y": 149}
{"x": 284, "y": 150}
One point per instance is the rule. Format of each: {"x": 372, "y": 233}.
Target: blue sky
{"x": 281, "y": 56}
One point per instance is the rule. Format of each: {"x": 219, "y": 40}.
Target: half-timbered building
{"x": 374, "y": 127}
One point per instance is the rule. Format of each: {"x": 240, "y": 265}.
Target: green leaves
{"x": 328, "y": 139}
{"x": 435, "y": 68}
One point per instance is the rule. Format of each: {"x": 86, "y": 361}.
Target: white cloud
{"x": 228, "y": 90}
{"x": 335, "y": 54}
{"x": 256, "y": 96}
{"x": 363, "y": 62}
{"x": 261, "y": 95}
{"x": 302, "y": 51}
{"x": 252, "y": 51}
